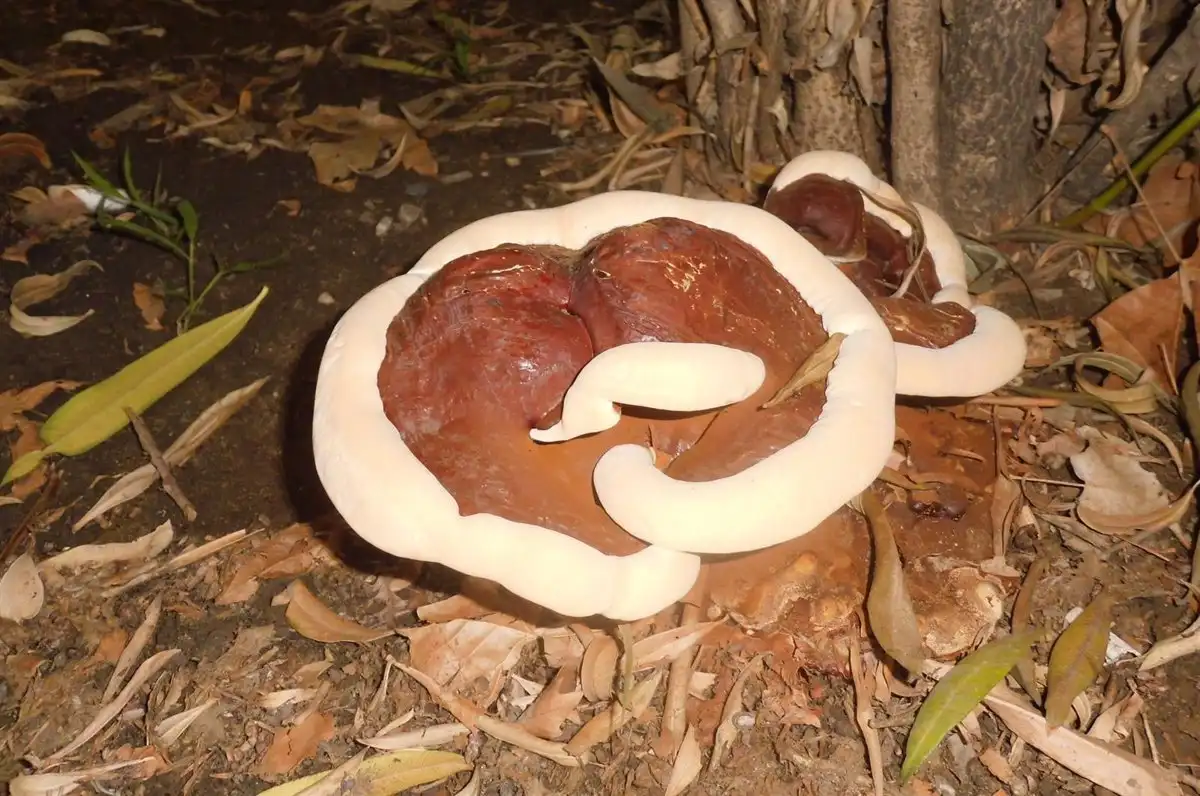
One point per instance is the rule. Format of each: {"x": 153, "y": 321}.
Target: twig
{"x": 170, "y": 485}
{"x": 19, "y": 534}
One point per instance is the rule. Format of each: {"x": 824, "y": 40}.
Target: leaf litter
{"x": 574, "y": 694}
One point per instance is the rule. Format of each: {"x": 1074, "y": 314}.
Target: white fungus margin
{"x": 390, "y": 499}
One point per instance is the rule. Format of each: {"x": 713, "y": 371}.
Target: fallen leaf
{"x": 311, "y": 618}
{"x": 1172, "y": 196}
{"x": 15, "y": 147}
{"x": 555, "y": 705}
{"x": 668, "y": 645}
{"x": 149, "y": 302}
{"x": 599, "y": 668}
{"x": 1115, "y": 483}
{"x": 467, "y": 656}
{"x": 62, "y": 783}
{"x": 297, "y": 743}
{"x": 385, "y": 775}
{"x": 426, "y": 737}
{"x": 21, "y": 591}
{"x": 1106, "y": 765}
{"x": 286, "y": 553}
{"x": 1066, "y": 42}
{"x": 31, "y": 290}
{"x": 15, "y": 402}
{"x": 891, "y": 617}
{"x": 27, "y": 442}
{"x": 687, "y": 764}
{"x": 1144, "y": 326}
{"x": 97, "y": 413}
{"x": 86, "y": 36}
{"x": 143, "y": 548}
{"x": 958, "y": 693}
{"x": 1077, "y": 659}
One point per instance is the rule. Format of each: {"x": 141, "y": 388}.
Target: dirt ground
{"x": 257, "y": 473}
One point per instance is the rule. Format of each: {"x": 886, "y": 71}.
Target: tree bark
{"x": 991, "y": 92}
{"x": 914, "y": 54}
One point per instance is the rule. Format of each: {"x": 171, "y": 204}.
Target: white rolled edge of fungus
{"x": 393, "y": 501}
{"x": 987, "y": 359}
{"x": 784, "y": 495}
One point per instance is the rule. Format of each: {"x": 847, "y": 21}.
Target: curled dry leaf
{"x": 1077, "y": 658}
{"x": 1132, "y": 14}
{"x": 555, "y": 705}
{"x": 601, "y": 727}
{"x": 1066, "y": 42}
{"x": 1168, "y": 649}
{"x": 727, "y": 731}
{"x": 15, "y": 147}
{"x": 35, "y": 289}
{"x": 172, "y": 728}
{"x": 668, "y": 645}
{"x": 599, "y": 669}
{"x": 286, "y": 553}
{"x": 1106, "y": 765}
{"x": 311, "y": 618}
{"x": 60, "y": 784}
{"x": 959, "y": 692}
{"x": 21, "y": 591}
{"x": 135, "y": 482}
{"x": 296, "y": 744}
{"x": 141, "y": 637}
{"x": 149, "y": 302}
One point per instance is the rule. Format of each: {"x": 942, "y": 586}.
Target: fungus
{"x": 946, "y": 347}
{"x": 569, "y": 402}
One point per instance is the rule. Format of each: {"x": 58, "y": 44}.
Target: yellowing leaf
{"x": 388, "y": 774}
{"x": 1077, "y": 658}
{"x": 95, "y": 414}
{"x": 311, "y": 618}
{"x": 959, "y": 692}
{"x": 890, "y": 613}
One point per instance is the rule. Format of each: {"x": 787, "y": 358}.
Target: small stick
{"x": 170, "y": 485}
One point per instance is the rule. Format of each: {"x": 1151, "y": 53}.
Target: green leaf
{"x": 143, "y": 233}
{"x": 127, "y": 175}
{"x": 1077, "y": 659}
{"x": 97, "y": 413}
{"x": 96, "y": 179}
{"x": 959, "y": 692}
{"x": 191, "y": 221}
{"x": 387, "y": 774}
{"x": 24, "y": 465}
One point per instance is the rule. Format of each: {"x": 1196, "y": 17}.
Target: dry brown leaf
{"x": 599, "y": 668}
{"x": 141, "y": 638}
{"x": 1067, "y": 42}
{"x": 311, "y": 618}
{"x": 149, "y": 302}
{"x": 458, "y": 606}
{"x": 293, "y": 746}
{"x": 602, "y": 726}
{"x": 143, "y": 548}
{"x": 1077, "y": 658}
{"x": 1172, "y": 194}
{"x": 27, "y": 442}
{"x": 15, "y": 402}
{"x": 1115, "y": 483}
{"x": 1145, "y": 326}
{"x": 668, "y": 645}
{"x": 286, "y": 553}
{"x": 890, "y": 613}
{"x": 467, "y": 656}
{"x": 21, "y": 591}
{"x": 15, "y": 147}
{"x": 556, "y": 704}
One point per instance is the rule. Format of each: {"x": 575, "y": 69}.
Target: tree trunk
{"x": 990, "y": 95}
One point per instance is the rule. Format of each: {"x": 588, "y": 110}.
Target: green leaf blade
{"x": 97, "y": 413}
{"x": 959, "y": 692}
{"x": 23, "y": 466}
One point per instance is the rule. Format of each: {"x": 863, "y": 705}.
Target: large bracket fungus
{"x": 570, "y": 402}
{"x": 967, "y": 349}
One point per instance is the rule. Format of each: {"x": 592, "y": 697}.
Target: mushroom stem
{"x": 674, "y": 377}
